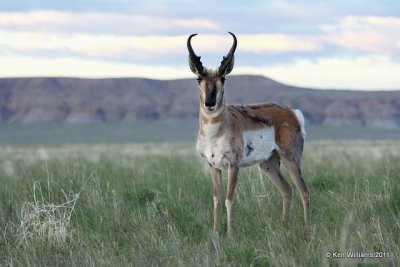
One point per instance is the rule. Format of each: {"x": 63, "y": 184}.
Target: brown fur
{"x": 282, "y": 119}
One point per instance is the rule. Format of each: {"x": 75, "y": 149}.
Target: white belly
{"x": 257, "y": 146}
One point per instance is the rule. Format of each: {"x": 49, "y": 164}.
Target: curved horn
{"x": 227, "y": 61}
{"x": 194, "y": 61}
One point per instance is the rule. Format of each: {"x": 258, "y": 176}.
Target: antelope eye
{"x": 198, "y": 80}
{"x": 222, "y": 79}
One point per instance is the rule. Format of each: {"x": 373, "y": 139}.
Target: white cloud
{"x": 106, "y": 46}
{"x": 92, "y": 45}
{"x": 364, "y": 72}
{"x": 370, "y": 34}
{"x": 23, "y": 66}
{"x": 278, "y": 43}
{"x": 95, "y": 22}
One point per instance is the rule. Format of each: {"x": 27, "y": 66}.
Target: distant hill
{"x": 72, "y": 100}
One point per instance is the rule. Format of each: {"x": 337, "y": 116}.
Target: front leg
{"x": 233, "y": 172}
{"x": 216, "y": 179}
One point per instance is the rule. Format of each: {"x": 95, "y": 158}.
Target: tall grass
{"x": 146, "y": 205}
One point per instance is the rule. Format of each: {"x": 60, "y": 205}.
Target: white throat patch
{"x": 211, "y": 129}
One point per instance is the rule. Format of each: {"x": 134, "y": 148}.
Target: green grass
{"x": 156, "y": 131}
{"x": 151, "y": 204}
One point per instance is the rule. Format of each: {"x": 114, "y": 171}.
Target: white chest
{"x": 216, "y": 150}
{"x": 257, "y": 146}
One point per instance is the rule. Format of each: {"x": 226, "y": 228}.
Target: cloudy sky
{"x": 323, "y": 44}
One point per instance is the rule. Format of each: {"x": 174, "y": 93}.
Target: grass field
{"x": 151, "y": 204}
{"x": 156, "y": 131}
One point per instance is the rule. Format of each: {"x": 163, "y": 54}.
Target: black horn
{"x": 194, "y": 61}
{"x": 228, "y": 61}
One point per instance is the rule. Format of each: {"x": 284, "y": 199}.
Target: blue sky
{"x": 322, "y": 44}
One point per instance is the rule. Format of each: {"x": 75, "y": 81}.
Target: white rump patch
{"x": 302, "y": 122}
{"x": 257, "y": 146}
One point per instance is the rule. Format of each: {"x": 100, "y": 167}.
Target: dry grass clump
{"x": 45, "y": 222}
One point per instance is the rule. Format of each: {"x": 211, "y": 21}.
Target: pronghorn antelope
{"x": 231, "y": 137}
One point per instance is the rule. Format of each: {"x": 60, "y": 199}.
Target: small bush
{"x": 45, "y": 222}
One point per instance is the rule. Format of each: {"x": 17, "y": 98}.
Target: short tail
{"x": 302, "y": 122}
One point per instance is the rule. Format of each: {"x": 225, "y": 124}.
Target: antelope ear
{"x": 194, "y": 61}
{"x": 195, "y": 68}
{"x": 228, "y": 61}
{"x": 227, "y": 67}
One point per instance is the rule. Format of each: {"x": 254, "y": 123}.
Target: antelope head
{"x": 211, "y": 82}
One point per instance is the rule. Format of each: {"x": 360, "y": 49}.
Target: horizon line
{"x": 189, "y": 78}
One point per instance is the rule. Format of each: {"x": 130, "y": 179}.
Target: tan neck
{"x": 218, "y": 118}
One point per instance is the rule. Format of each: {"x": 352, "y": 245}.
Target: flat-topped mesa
{"x": 231, "y": 136}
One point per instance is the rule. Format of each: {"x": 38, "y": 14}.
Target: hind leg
{"x": 272, "y": 169}
{"x": 233, "y": 173}
{"x": 294, "y": 170}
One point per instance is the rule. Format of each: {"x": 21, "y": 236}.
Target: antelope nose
{"x": 210, "y": 104}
